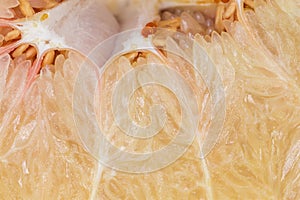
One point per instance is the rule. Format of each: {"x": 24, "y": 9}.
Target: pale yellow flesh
{"x": 256, "y": 157}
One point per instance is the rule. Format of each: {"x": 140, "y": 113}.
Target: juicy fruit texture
{"x": 41, "y": 156}
{"x": 257, "y": 153}
{"x": 38, "y": 142}
{"x": 38, "y": 36}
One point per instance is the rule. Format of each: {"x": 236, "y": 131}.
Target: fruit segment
{"x": 257, "y": 154}
{"x": 256, "y": 54}
{"x": 42, "y": 44}
{"x": 8, "y": 35}
{"x": 53, "y": 30}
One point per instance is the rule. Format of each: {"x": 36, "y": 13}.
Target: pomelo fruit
{"x": 42, "y": 42}
{"x": 255, "y": 50}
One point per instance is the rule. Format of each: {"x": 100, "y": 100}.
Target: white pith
{"x": 36, "y": 31}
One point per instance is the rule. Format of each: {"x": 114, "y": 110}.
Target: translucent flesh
{"x": 5, "y": 6}
{"x": 257, "y": 155}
